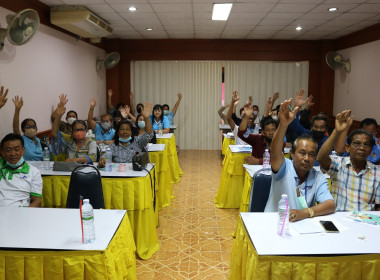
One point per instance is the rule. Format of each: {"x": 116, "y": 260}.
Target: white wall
{"x": 51, "y": 63}
{"x": 360, "y": 89}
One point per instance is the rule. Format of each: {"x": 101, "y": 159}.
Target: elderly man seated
{"x": 20, "y": 183}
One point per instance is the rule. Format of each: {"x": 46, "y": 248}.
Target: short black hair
{"x": 255, "y": 106}
{"x": 360, "y": 131}
{"x": 368, "y": 121}
{"x": 166, "y": 105}
{"x": 79, "y": 121}
{"x": 319, "y": 118}
{"x": 71, "y": 111}
{"x": 267, "y": 121}
{"x": 156, "y": 107}
{"x": 120, "y": 104}
{"x": 306, "y": 137}
{"x": 12, "y": 137}
{"x": 23, "y": 123}
{"x": 119, "y": 124}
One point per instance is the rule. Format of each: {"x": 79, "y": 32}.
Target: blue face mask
{"x": 166, "y": 112}
{"x": 141, "y": 124}
{"x": 125, "y": 140}
{"x": 17, "y": 165}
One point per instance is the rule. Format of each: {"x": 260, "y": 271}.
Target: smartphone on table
{"x": 329, "y": 226}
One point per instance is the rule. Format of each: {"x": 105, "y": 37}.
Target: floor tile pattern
{"x": 195, "y": 237}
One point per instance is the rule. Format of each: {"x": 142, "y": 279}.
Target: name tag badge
{"x": 302, "y": 202}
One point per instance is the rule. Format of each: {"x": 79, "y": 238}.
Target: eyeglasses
{"x": 365, "y": 145}
{"x": 79, "y": 129}
{"x": 30, "y": 126}
{"x": 303, "y": 154}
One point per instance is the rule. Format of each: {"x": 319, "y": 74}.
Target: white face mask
{"x": 71, "y": 120}
{"x": 255, "y": 113}
{"x": 105, "y": 125}
{"x": 275, "y": 118}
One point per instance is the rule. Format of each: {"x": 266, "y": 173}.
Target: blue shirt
{"x": 100, "y": 135}
{"x": 33, "y": 152}
{"x": 285, "y": 181}
{"x": 156, "y": 124}
{"x": 170, "y": 117}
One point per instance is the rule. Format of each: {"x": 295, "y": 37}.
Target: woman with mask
{"x": 76, "y": 146}
{"x": 125, "y": 144}
{"x": 33, "y": 148}
{"x": 71, "y": 116}
{"x": 104, "y": 132}
{"x": 141, "y": 128}
{"x": 157, "y": 118}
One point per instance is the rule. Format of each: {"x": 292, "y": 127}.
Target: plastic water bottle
{"x": 160, "y": 129}
{"x": 283, "y": 216}
{"x": 108, "y": 156}
{"x": 266, "y": 161}
{"x": 46, "y": 159}
{"x": 257, "y": 129}
{"x": 88, "y": 222}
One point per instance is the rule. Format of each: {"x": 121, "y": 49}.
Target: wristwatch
{"x": 311, "y": 212}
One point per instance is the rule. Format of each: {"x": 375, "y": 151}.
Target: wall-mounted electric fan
{"x": 335, "y": 61}
{"x": 111, "y": 60}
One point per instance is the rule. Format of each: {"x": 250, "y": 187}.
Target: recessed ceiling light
{"x": 333, "y": 9}
{"x": 132, "y": 9}
{"x": 221, "y": 11}
{"x": 298, "y": 28}
{"x": 149, "y": 29}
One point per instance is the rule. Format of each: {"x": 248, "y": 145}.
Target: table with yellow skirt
{"x": 169, "y": 141}
{"x": 232, "y": 180}
{"x": 117, "y": 262}
{"x": 131, "y": 193}
{"x": 226, "y": 142}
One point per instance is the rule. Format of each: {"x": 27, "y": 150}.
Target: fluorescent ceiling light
{"x": 298, "y": 28}
{"x": 149, "y": 29}
{"x": 132, "y": 9}
{"x": 221, "y": 11}
{"x": 333, "y": 9}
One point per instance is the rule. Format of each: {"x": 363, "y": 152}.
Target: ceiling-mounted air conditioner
{"x": 80, "y": 21}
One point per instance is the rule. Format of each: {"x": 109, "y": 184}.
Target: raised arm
{"x": 146, "y": 113}
{"x": 90, "y": 119}
{"x": 57, "y": 118}
{"x": 16, "y": 117}
{"x": 125, "y": 112}
{"x": 285, "y": 116}
{"x": 268, "y": 107}
{"x": 177, "y": 103}
{"x": 3, "y": 96}
{"x": 248, "y": 110}
{"x": 62, "y": 102}
{"x": 342, "y": 121}
{"x": 275, "y": 97}
{"x": 220, "y": 112}
{"x": 109, "y": 99}
{"x": 235, "y": 98}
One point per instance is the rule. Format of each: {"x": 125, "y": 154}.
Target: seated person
{"x": 297, "y": 178}
{"x": 71, "y": 116}
{"x": 158, "y": 118}
{"x": 125, "y": 144}
{"x": 141, "y": 128}
{"x": 171, "y": 114}
{"x": 259, "y": 142}
{"x": 234, "y": 127}
{"x": 370, "y": 125}
{"x": 117, "y": 117}
{"x": 76, "y": 146}
{"x": 104, "y": 132}
{"x": 355, "y": 182}
{"x": 33, "y": 148}
{"x": 20, "y": 183}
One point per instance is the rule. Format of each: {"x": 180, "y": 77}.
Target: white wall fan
{"x": 111, "y": 60}
{"x": 335, "y": 61}
{"x": 21, "y": 27}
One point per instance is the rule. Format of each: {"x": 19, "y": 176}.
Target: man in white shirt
{"x": 20, "y": 183}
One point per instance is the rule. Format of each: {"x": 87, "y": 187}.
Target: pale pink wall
{"x": 51, "y": 63}
{"x": 360, "y": 89}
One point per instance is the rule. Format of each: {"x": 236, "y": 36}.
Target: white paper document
{"x": 306, "y": 226}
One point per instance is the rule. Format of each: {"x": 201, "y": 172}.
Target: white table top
{"x": 164, "y": 136}
{"x": 229, "y": 135}
{"x": 156, "y": 147}
{"x": 54, "y": 228}
{"x": 241, "y": 148}
{"x": 346, "y": 242}
{"x": 251, "y": 169}
{"x": 128, "y": 173}
{"x": 224, "y": 126}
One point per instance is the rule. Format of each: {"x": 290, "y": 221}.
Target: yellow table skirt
{"x": 132, "y": 194}
{"x": 160, "y": 159}
{"x": 170, "y": 146}
{"x": 231, "y": 181}
{"x": 226, "y": 143}
{"x": 118, "y": 261}
{"x": 246, "y": 264}
{"x": 246, "y": 194}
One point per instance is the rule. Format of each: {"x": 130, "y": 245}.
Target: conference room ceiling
{"x": 249, "y": 19}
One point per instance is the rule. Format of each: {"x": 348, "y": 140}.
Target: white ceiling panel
{"x": 172, "y": 8}
{"x": 251, "y": 7}
{"x": 267, "y": 28}
{"x": 141, "y": 8}
{"x": 100, "y": 8}
{"x": 169, "y": 22}
{"x": 283, "y": 15}
{"x": 281, "y": 22}
{"x": 367, "y": 8}
{"x": 292, "y": 8}
{"x": 124, "y": 1}
{"x": 244, "y": 22}
{"x": 82, "y": 2}
{"x": 246, "y": 16}
{"x": 341, "y": 8}
{"x": 176, "y": 15}
{"x": 202, "y": 8}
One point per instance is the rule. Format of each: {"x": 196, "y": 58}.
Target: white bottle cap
{"x": 284, "y": 196}
{"x": 86, "y": 200}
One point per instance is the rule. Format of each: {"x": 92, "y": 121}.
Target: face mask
{"x": 125, "y": 140}
{"x": 71, "y": 120}
{"x": 317, "y": 134}
{"x": 275, "y": 118}
{"x": 105, "y": 125}
{"x": 141, "y": 124}
{"x": 17, "y": 165}
{"x": 79, "y": 135}
{"x": 255, "y": 113}
{"x": 30, "y": 132}
{"x": 139, "y": 110}
{"x": 166, "y": 112}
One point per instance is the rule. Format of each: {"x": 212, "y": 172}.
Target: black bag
{"x": 65, "y": 166}
{"x": 139, "y": 161}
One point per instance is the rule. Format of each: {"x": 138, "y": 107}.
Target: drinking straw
{"x": 81, "y": 218}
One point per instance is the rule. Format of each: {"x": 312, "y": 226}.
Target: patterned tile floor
{"x": 195, "y": 237}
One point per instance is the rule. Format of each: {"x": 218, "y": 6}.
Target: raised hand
{"x": 309, "y": 102}
{"x": 269, "y": 103}
{"x": 18, "y": 102}
{"x": 123, "y": 112}
{"x": 179, "y": 95}
{"x": 3, "y": 96}
{"x": 127, "y": 109}
{"x": 285, "y": 114}
{"x": 63, "y": 100}
{"x": 300, "y": 100}
{"x": 235, "y": 98}
{"x": 147, "y": 109}
{"x": 248, "y": 110}
{"x": 343, "y": 120}
{"x": 250, "y": 100}
{"x": 60, "y": 111}
{"x": 92, "y": 103}
{"x": 275, "y": 97}
{"x": 109, "y": 92}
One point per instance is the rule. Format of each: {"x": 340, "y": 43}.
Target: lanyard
{"x": 305, "y": 188}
